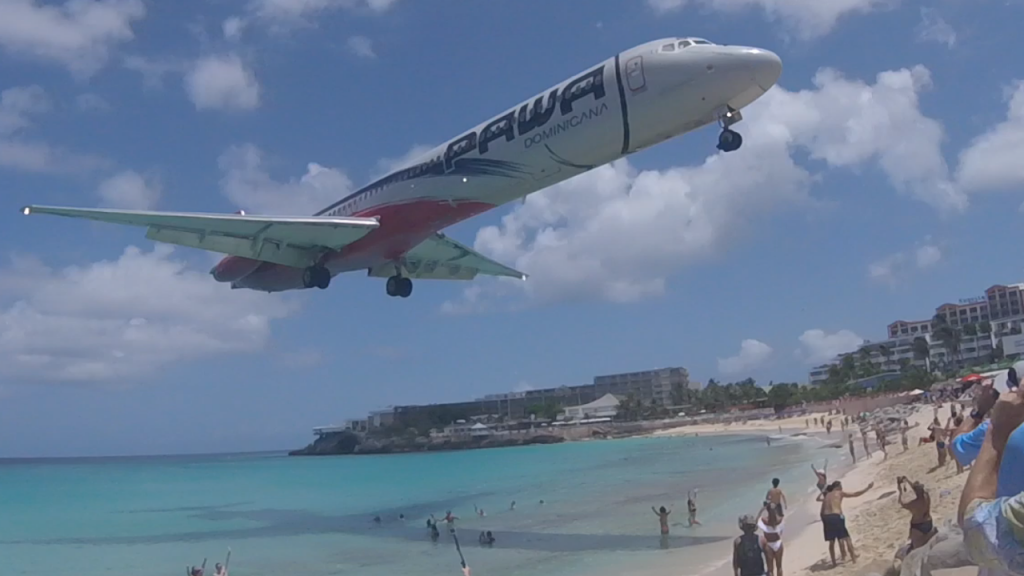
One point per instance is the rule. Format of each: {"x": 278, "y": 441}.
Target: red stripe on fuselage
{"x": 402, "y": 227}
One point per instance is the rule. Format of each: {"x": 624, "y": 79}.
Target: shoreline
{"x": 878, "y": 525}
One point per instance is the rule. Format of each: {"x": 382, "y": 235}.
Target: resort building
{"x": 606, "y": 406}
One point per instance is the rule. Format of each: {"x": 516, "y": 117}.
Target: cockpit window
{"x": 668, "y": 48}
{"x": 694, "y": 42}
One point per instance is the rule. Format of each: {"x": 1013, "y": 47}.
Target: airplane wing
{"x": 289, "y": 240}
{"x": 441, "y": 258}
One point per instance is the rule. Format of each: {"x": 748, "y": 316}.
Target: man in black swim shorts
{"x": 833, "y": 521}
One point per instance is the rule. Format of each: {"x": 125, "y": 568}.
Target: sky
{"x": 882, "y": 177}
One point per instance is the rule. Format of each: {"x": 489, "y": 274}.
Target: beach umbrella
{"x": 972, "y": 378}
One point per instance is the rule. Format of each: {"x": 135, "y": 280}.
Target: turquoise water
{"x": 313, "y": 516}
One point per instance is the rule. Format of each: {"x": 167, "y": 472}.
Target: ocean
{"x": 314, "y": 516}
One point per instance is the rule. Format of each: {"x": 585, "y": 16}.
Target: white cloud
{"x": 154, "y": 70}
{"x": 387, "y": 165}
{"x": 809, "y": 18}
{"x": 752, "y": 355}
{"x": 17, "y": 107}
{"x": 119, "y": 321}
{"x": 818, "y": 346}
{"x": 232, "y": 28}
{"x": 580, "y": 238}
{"x": 297, "y": 12}
{"x": 18, "y": 104}
{"x": 91, "y": 102}
{"x": 222, "y": 82}
{"x": 897, "y": 266}
{"x": 935, "y": 29}
{"x": 129, "y": 190}
{"x": 361, "y": 46}
{"x": 247, "y": 184}
{"x": 993, "y": 160}
{"x": 79, "y": 34}
{"x": 522, "y": 386}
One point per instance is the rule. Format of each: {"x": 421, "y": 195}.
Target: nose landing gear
{"x": 729, "y": 140}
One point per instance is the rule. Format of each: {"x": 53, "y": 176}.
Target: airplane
{"x": 392, "y": 227}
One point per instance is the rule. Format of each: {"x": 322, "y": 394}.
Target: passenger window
{"x": 684, "y": 44}
{"x": 668, "y": 48}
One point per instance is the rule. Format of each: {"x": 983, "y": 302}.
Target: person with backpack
{"x": 747, "y": 553}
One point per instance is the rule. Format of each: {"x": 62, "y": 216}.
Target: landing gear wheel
{"x": 729, "y": 140}
{"x": 316, "y": 277}
{"x": 398, "y": 286}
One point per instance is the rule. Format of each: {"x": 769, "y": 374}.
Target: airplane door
{"x": 635, "y": 79}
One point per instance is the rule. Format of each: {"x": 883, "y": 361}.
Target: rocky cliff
{"x": 347, "y": 442}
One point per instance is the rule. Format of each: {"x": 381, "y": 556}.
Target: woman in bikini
{"x": 771, "y": 525}
{"x": 822, "y": 477}
{"x": 920, "y": 507}
{"x": 662, "y": 515}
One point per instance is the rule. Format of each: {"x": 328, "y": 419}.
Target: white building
{"x": 606, "y": 406}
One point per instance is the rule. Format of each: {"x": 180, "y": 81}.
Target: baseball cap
{"x": 747, "y": 520}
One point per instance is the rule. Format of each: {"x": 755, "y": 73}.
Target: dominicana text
{"x": 531, "y": 117}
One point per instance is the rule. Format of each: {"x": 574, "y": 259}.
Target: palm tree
{"x": 948, "y": 335}
{"x": 922, "y": 351}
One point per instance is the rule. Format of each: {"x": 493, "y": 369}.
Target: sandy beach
{"x": 877, "y": 523}
{"x": 748, "y": 427}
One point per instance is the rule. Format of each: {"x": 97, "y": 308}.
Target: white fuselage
{"x": 636, "y": 99}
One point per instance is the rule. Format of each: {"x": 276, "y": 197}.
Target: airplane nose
{"x": 767, "y": 66}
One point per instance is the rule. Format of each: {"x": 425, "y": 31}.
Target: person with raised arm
{"x": 993, "y": 524}
{"x": 834, "y": 522}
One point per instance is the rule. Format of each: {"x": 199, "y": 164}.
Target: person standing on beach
{"x": 662, "y": 514}
{"x": 833, "y": 521}
{"x": 747, "y": 552}
{"x": 904, "y": 428}
{"x": 922, "y": 528}
{"x": 776, "y": 498}
{"x": 822, "y": 476}
{"x": 939, "y": 433}
{"x": 853, "y": 454}
{"x": 771, "y": 526}
{"x": 864, "y": 441}
{"x": 691, "y": 506}
{"x": 828, "y": 426}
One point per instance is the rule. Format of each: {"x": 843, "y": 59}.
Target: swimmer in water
{"x": 662, "y": 514}
{"x": 512, "y": 506}
{"x": 449, "y": 518}
{"x": 691, "y": 507}
{"x": 220, "y": 569}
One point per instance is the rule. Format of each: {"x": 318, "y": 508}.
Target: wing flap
{"x": 287, "y": 240}
{"x": 441, "y": 258}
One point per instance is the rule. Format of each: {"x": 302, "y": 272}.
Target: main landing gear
{"x": 398, "y": 286}
{"x": 316, "y": 277}
{"x": 729, "y": 140}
